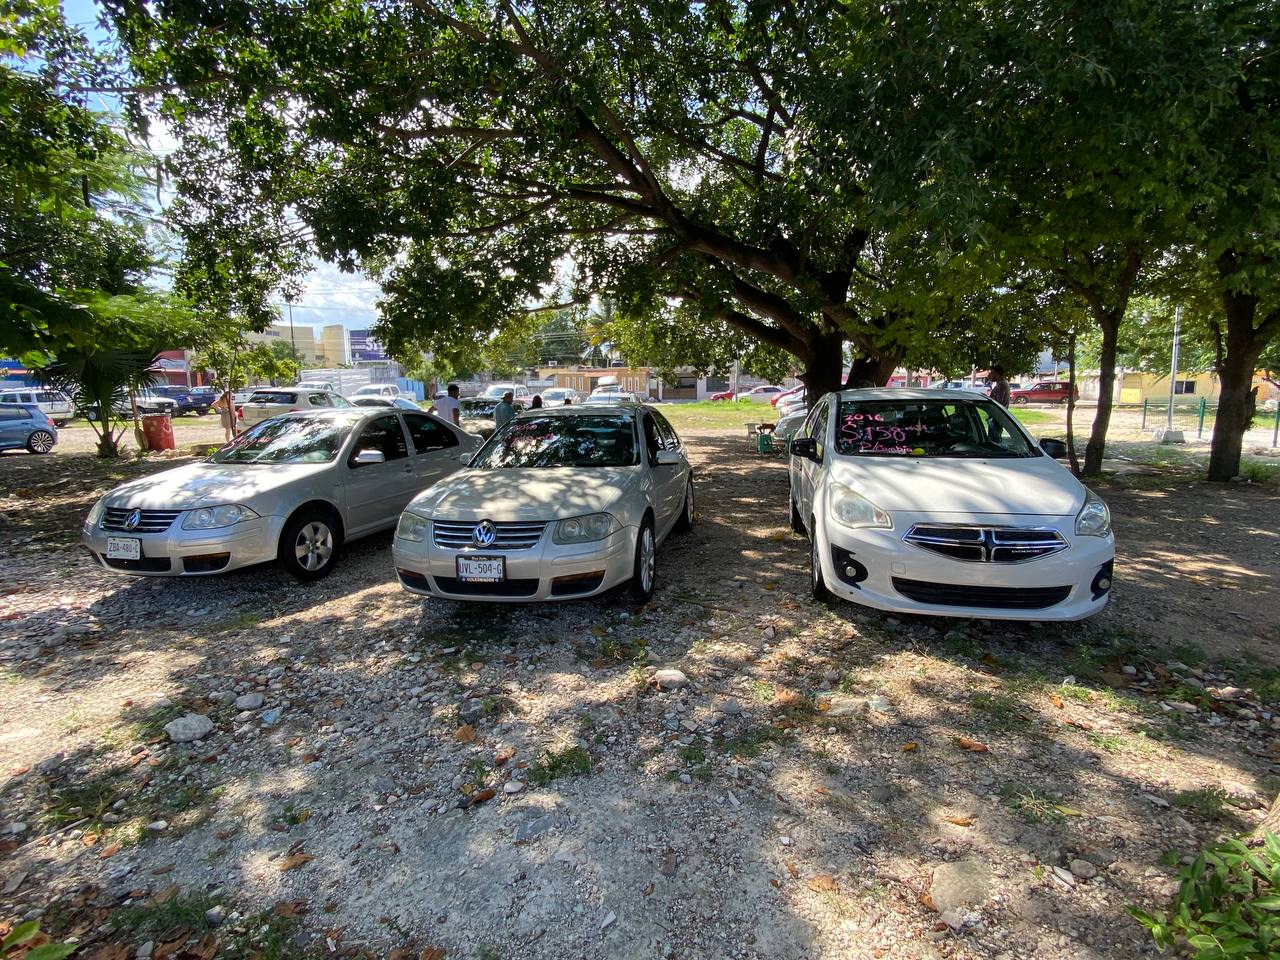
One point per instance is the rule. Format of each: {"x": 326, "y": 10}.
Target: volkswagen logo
{"x": 484, "y": 534}
{"x": 133, "y": 519}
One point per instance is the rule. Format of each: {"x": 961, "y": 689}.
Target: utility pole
{"x": 1173, "y": 366}
{"x": 292, "y": 345}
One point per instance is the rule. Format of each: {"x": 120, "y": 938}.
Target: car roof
{"x": 599, "y": 409}
{"x": 906, "y": 393}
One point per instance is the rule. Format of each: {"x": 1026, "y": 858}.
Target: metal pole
{"x": 1173, "y": 366}
{"x": 1200, "y": 427}
{"x": 1144, "y": 413}
{"x": 294, "y": 347}
{"x": 1275, "y": 431}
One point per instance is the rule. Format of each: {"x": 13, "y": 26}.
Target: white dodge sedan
{"x": 939, "y": 502}
{"x": 561, "y": 503}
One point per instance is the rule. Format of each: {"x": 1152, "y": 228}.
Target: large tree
{"x": 464, "y": 153}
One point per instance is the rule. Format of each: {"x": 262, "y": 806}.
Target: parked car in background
{"x": 788, "y": 425}
{"x": 328, "y": 385}
{"x": 609, "y": 397}
{"x": 519, "y": 392}
{"x": 147, "y": 402}
{"x": 797, "y": 401}
{"x": 777, "y": 398}
{"x": 268, "y": 403}
{"x": 475, "y": 415}
{"x": 556, "y": 396}
{"x": 722, "y": 395}
{"x": 377, "y": 390}
{"x": 401, "y": 402}
{"x": 52, "y": 403}
{"x": 24, "y": 426}
{"x": 940, "y": 502}
{"x": 1044, "y": 391}
{"x": 561, "y": 503}
{"x": 761, "y": 394}
{"x": 975, "y": 386}
{"x": 188, "y": 401}
{"x": 292, "y": 489}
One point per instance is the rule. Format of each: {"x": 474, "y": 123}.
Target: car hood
{"x": 535, "y": 494}
{"x": 1034, "y": 485}
{"x": 206, "y": 484}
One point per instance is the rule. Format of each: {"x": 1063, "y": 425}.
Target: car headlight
{"x": 412, "y": 527}
{"x": 588, "y": 529}
{"x": 852, "y": 509}
{"x": 95, "y": 515}
{"x": 211, "y": 518}
{"x": 1094, "y": 519}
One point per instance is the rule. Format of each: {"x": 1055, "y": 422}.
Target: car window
{"x": 338, "y": 400}
{"x": 651, "y": 441}
{"x": 820, "y": 426}
{"x": 287, "y": 440}
{"x": 670, "y": 441}
{"x": 318, "y": 400}
{"x": 383, "y": 434}
{"x": 427, "y": 434}
{"x": 13, "y": 413}
{"x": 48, "y": 396}
{"x": 273, "y": 396}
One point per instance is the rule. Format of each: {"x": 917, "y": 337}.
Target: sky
{"x": 329, "y": 295}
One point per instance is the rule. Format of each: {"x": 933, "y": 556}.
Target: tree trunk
{"x": 1236, "y": 396}
{"x": 1071, "y": 404}
{"x": 870, "y": 371}
{"x": 108, "y": 449}
{"x": 823, "y": 366}
{"x": 1109, "y": 323}
{"x": 1270, "y": 823}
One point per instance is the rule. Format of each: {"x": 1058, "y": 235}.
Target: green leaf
{"x": 52, "y": 951}
{"x": 21, "y": 934}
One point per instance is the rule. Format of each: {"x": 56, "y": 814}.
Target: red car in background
{"x": 722, "y": 395}
{"x": 1044, "y": 391}
{"x": 778, "y": 398}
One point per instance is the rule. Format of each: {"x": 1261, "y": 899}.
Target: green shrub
{"x": 1228, "y": 904}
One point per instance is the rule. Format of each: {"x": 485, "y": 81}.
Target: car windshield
{"x": 498, "y": 389}
{"x": 287, "y": 440}
{"x": 477, "y": 407}
{"x": 273, "y": 396}
{"x": 592, "y": 440}
{"x": 929, "y": 428}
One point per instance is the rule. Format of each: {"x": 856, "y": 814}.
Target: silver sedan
{"x": 291, "y": 489}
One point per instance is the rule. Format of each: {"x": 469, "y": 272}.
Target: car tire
{"x": 1021, "y": 400}
{"x": 309, "y": 544}
{"x": 644, "y": 567}
{"x": 817, "y": 586}
{"x": 40, "y": 441}
{"x": 687, "y": 514}
{"x": 797, "y": 521}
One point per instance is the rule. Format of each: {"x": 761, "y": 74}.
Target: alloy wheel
{"x": 41, "y": 441}
{"x": 314, "y": 546}
{"x": 647, "y": 558}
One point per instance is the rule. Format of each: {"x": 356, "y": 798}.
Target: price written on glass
{"x": 869, "y": 434}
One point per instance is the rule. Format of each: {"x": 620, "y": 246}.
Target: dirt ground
{"x": 450, "y": 780}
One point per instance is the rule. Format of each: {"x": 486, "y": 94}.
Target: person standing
{"x": 505, "y": 410}
{"x": 226, "y": 408}
{"x": 1000, "y": 387}
{"x": 447, "y": 407}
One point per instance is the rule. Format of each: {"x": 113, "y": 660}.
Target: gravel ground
{"x": 385, "y": 776}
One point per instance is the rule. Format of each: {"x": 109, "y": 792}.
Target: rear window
{"x": 273, "y": 396}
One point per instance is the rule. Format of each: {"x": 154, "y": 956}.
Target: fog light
{"x": 1102, "y": 580}
{"x": 1104, "y": 583}
{"x": 847, "y": 567}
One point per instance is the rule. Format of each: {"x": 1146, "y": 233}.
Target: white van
{"x": 52, "y": 403}
{"x": 317, "y": 385}
{"x": 389, "y": 390}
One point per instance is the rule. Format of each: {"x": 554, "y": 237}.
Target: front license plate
{"x": 482, "y": 569}
{"x": 123, "y": 548}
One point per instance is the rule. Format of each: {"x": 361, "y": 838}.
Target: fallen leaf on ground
{"x": 290, "y": 909}
{"x": 1078, "y": 724}
{"x": 90, "y": 838}
{"x": 486, "y": 794}
{"x": 165, "y": 895}
{"x": 960, "y": 821}
{"x": 793, "y": 870}
{"x": 823, "y": 883}
{"x": 910, "y": 747}
{"x": 433, "y": 953}
{"x": 295, "y": 861}
{"x": 773, "y": 882}
{"x": 821, "y": 791}
{"x": 465, "y": 733}
{"x": 1056, "y": 700}
{"x": 648, "y": 891}
{"x": 928, "y": 901}
{"x": 502, "y": 756}
{"x": 973, "y": 746}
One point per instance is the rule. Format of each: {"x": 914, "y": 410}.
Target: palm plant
{"x": 99, "y": 382}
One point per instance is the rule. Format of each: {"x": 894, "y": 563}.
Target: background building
{"x": 302, "y": 339}
{"x": 334, "y": 348}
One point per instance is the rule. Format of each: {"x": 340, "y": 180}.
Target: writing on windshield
{"x": 928, "y": 428}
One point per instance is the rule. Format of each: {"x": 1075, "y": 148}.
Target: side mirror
{"x": 366, "y": 457}
{"x": 1053, "y": 447}
{"x": 668, "y": 458}
{"x": 806, "y": 447}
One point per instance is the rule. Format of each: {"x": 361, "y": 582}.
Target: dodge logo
{"x": 484, "y": 534}
{"x": 133, "y": 519}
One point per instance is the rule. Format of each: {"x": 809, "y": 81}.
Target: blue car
{"x": 24, "y": 426}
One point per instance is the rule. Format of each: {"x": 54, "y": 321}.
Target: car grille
{"x": 503, "y": 588}
{"x": 987, "y": 544}
{"x": 150, "y": 521}
{"x": 453, "y": 535}
{"x": 965, "y": 595}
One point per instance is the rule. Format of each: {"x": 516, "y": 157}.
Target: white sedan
{"x": 561, "y": 503}
{"x": 939, "y": 502}
{"x": 272, "y": 401}
{"x": 761, "y": 394}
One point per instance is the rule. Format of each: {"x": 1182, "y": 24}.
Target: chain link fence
{"x": 1196, "y": 418}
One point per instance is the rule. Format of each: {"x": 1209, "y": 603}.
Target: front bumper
{"x": 190, "y": 553}
{"x": 546, "y": 571}
{"x": 875, "y": 568}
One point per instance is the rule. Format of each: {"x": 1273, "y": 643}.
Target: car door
{"x": 680, "y": 472}
{"x": 13, "y": 426}
{"x": 434, "y": 449}
{"x": 668, "y": 482}
{"x": 809, "y": 470}
{"x": 377, "y": 493}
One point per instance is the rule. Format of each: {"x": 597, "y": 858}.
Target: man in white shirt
{"x": 446, "y": 407}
